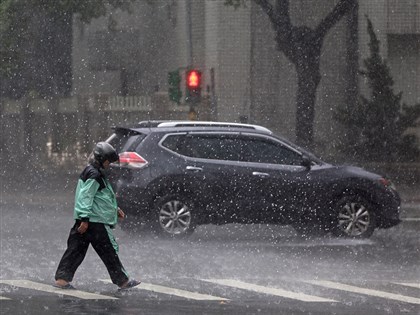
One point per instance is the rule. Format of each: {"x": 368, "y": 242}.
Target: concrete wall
{"x": 228, "y": 49}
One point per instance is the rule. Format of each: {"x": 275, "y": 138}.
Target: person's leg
{"x": 104, "y": 243}
{"x": 77, "y": 246}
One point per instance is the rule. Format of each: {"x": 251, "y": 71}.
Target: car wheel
{"x": 353, "y": 217}
{"x": 175, "y": 217}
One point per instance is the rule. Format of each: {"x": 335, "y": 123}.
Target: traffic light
{"x": 193, "y": 85}
{"x": 174, "y": 91}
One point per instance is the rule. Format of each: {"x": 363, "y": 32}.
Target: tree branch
{"x": 340, "y": 9}
{"x": 280, "y": 16}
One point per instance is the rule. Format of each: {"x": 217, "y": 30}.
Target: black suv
{"x": 175, "y": 175}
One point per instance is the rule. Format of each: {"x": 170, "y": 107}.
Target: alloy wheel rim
{"x": 175, "y": 217}
{"x": 354, "y": 219}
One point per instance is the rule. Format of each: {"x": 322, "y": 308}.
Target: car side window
{"x": 174, "y": 143}
{"x": 215, "y": 147}
{"x": 259, "y": 150}
{"x": 181, "y": 144}
{"x": 230, "y": 147}
{"x": 205, "y": 146}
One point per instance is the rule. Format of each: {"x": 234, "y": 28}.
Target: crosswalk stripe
{"x": 409, "y": 284}
{"x": 371, "y": 292}
{"x": 4, "y": 298}
{"x": 268, "y": 290}
{"x": 26, "y": 284}
{"x": 176, "y": 292}
{"x": 410, "y": 219}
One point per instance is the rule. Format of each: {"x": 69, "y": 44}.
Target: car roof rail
{"x": 189, "y": 123}
{"x": 150, "y": 123}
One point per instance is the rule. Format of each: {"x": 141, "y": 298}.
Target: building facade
{"x": 244, "y": 76}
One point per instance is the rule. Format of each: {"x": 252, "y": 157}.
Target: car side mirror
{"x": 306, "y": 162}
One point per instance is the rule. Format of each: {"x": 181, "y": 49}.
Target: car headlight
{"x": 387, "y": 183}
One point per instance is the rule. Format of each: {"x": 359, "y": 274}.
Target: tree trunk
{"x": 309, "y": 76}
{"x": 352, "y": 68}
{"x": 302, "y": 46}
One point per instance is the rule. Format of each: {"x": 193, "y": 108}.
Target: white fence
{"x": 55, "y": 130}
{"x": 130, "y": 103}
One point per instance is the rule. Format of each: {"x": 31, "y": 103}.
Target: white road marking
{"x": 4, "y": 298}
{"x": 267, "y": 290}
{"x": 50, "y": 289}
{"x": 371, "y": 292}
{"x": 411, "y": 219}
{"x": 329, "y": 242}
{"x": 409, "y": 284}
{"x": 176, "y": 292}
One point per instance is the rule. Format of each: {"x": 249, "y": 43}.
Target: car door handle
{"x": 260, "y": 174}
{"x": 194, "y": 168}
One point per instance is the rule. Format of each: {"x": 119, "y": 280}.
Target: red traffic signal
{"x": 193, "y": 79}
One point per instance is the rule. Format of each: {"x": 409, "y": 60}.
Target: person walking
{"x": 96, "y": 214}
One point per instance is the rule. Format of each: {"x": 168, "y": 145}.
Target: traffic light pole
{"x": 213, "y": 99}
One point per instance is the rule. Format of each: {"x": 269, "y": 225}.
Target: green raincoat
{"x": 94, "y": 204}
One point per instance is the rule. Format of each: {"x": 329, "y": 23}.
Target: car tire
{"x": 175, "y": 217}
{"x": 353, "y": 217}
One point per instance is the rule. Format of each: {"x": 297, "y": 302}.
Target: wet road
{"x": 227, "y": 269}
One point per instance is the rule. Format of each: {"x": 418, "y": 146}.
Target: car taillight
{"x": 132, "y": 160}
{"x": 387, "y": 183}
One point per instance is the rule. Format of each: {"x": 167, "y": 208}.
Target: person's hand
{"x": 121, "y": 214}
{"x": 83, "y": 227}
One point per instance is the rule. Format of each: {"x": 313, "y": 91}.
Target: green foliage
{"x": 9, "y": 12}
{"x": 174, "y": 81}
{"x": 379, "y": 125}
{"x": 15, "y": 16}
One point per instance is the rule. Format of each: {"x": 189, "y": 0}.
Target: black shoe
{"x": 68, "y": 286}
{"x": 130, "y": 284}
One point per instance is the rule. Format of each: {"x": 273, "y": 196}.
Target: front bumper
{"x": 389, "y": 205}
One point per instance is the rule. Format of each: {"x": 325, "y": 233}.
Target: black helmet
{"x": 104, "y": 151}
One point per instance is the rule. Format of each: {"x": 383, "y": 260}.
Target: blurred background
{"x": 340, "y": 77}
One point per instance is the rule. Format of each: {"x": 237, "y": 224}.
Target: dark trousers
{"x": 102, "y": 240}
